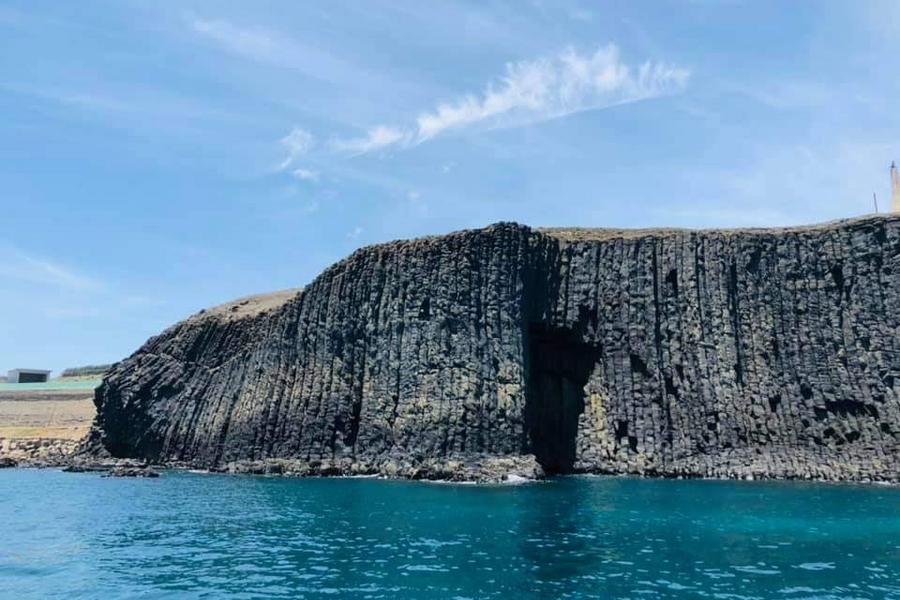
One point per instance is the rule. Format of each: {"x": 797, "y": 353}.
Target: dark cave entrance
{"x": 559, "y": 367}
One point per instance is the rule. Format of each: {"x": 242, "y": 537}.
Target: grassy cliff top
{"x": 577, "y": 234}
{"x": 249, "y": 306}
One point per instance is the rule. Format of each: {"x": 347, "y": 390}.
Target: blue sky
{"x": 160, "y": 157}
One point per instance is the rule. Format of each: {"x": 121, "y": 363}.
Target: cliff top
{"x": 251, "y": 306}
{"x": 578, "y": 234}
{"x": 248, "y": 306}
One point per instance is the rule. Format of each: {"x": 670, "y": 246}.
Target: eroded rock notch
{"x": 559, "y": 366}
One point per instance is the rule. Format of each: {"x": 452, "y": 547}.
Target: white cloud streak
{"x": 532, "y": 92}
{"x": 306, "y": 175}
{"x": 31, "y": 269}
{"x": 275, "y": 49}
{"x": 297, "y": 143}
{"x": 257, "y": 44}
{"x": 375, "y": 139}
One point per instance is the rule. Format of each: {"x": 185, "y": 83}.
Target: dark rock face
{"x": 132, "y": 472}
{"x": 766, "y": 353}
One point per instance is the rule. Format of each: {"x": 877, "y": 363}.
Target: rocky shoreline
{"x": 39, "y": 452}
{"x": 71, "y": 457}
{"x": 66, "y": 455}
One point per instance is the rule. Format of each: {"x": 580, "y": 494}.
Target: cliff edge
{"x": 511, "y": 350}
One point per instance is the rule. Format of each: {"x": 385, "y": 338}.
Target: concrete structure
{"x": 895, "y": 189}
{"x": 27, "y": 376}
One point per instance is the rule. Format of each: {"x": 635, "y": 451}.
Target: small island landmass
{"x": 510, "y": 353}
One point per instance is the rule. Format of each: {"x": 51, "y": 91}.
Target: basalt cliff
{"x": 511, "y": 350}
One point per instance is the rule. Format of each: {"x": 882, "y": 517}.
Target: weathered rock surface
{"x": 37, "y": 452}
{"x": 763, "y": 353}
{"x": 132, "y": 472}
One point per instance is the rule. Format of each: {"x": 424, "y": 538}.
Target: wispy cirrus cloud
{"x": 272, "y": 48}
{"x": 15, "y": 264}
{"x": 531, "y": 92}
{"x": 376, "y": 138}
{"x": 306, "y": 175}
{"x": 297, "y": 143}
{"x": 787, "y": 95}
{"x": 49, "y": 289}
{"x": 254, "y": 43}
{"x": 135, "y": 105}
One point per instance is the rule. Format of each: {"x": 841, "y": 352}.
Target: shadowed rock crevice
{"x": 559, "y": 367}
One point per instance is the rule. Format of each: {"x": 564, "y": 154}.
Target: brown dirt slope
{"x": 58, "y": 414}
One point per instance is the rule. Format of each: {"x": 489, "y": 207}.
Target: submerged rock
{"x": 132, "y": 472}
{"x": 514, "y": 352}
{"x": 85, "y": 468}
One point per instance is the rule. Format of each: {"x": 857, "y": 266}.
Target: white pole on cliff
{"x": 895, "y": 189}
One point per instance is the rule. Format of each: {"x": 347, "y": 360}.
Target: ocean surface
{"x": 190, "y": 535}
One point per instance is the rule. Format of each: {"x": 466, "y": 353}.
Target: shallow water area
{"x": 191, "y": 535}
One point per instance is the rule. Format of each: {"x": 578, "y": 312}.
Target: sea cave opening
{"x": 559, "y": 367}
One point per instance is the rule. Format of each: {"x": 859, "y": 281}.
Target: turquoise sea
{"x": 190, "y": 535}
